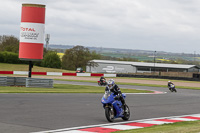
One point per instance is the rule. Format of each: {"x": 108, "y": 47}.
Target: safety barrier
{"x": 7, "y": 81}
{"x": 58, "y": 74}
{"x": 20, "y": 81}
{"x": 28, "y": 82}
{"x": 39, "y": 82}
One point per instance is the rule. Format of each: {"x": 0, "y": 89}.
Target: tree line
{"x": 73, "y": 58}
{"x": 77, "y": 56}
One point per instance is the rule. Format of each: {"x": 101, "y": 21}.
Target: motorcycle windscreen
{"x": 106, "y": 95}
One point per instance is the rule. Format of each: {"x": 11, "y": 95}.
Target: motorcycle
{"x": 113, "y": 107}
{"x": 172, "y": 88}
{"x": 102, "y": 83}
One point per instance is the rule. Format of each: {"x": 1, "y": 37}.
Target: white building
{"x": 107, "y": 66}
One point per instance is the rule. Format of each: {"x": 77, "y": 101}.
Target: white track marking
{"x": 183, "y": 119}
{"x": 76, "y": 131}
{"x": 112, "y": 124}
{"x": 122, "y": 127}
{"x": 156, "y": 122}
{"x": 195, "y": 115}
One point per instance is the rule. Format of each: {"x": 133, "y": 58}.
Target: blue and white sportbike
{"x": 172, "y": 88}
{"x": 113, "y": 106}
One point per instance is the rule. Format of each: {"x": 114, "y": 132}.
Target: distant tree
{"x": 9, "y": 43}
{"x": 1, "y": 57}
{"x": 51, "y": 60}
{"x": 108, "y": 58}
{"x": 128, "y": 59}
{"x": 95, "y": 55}
{"x": 78, "y": 56}
{"x": 9, "y": 57}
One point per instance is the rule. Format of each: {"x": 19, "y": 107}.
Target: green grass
{"x": 24, "y": 67}
{"x": 165, "y": 86}
{"x": 179, "y": 127}
{"x": 63, "y": 88}
{"x": 135, "y": 84}
{"x": 157, "y": 79}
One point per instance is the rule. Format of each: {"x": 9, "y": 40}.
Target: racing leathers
{"x": 169, "y": 84}
{"x": 116, "y": 90}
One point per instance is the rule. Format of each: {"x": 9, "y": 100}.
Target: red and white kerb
{"x": 32, "y": 32}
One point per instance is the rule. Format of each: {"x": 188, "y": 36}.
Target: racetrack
{"x": 22, "y": 113}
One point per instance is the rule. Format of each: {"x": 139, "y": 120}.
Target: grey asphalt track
{"x": 24, "y": 113}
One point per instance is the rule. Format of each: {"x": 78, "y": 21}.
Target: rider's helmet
{"x": 169, "y": 81}
{"x": 113, "y": 80}
{"x": 102, "y": 77}
{"x": 111, "y": 83}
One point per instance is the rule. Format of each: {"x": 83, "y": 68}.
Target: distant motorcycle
{"x": 172, "y": 88}
{"x": 113, "y": 107}
{"x": 102, "y": 83}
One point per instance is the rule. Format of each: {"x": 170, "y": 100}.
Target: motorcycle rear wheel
{"x": 109, "y": 112}
{"x": 126, "y": 113}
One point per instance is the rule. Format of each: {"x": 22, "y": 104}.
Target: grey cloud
{"x": 137, "y": 24}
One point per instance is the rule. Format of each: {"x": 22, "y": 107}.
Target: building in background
{"x": 107, "y": 66}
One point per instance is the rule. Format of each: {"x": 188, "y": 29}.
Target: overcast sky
{"x": 161, "y": 25}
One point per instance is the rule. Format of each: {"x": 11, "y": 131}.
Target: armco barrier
{"x": 39, "y": 82}
{"x": 110, "y": 75}
{"x": 28, "y": 82}
{"x": 7, "y": 81}
{"x": 20, "y": 81}
{"x": 83, "y": 74}
{"x": 69, "y": 74}
{"x": 58, "y": 74}
{"x": 6, "y": 72}
{"x": 3, "y": 81}
{"x": 12, "y": 81}
{"x": 20, "y": 72}
{"x": 97, "y": 74}
{"x": 39, "y": 73}
{"x": 54, "y": 73}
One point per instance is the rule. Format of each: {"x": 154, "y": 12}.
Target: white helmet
{"x": 169, "y": 81}
{"x": 111, "y": 82}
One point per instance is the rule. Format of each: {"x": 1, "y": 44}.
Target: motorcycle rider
{"x": 169, "y": 84}
{"x": 102, "y": 79}
{"x": 116, "y": 90}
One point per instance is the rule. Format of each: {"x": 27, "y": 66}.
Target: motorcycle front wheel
{"x": 174, "y": 90}
{"x": 109, "y": 112}
{"x": 126, "y": 113}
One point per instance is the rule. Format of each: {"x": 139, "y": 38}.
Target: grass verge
{"x": 24, "y": 67}
{"x": 179, "y": 127}
{"x": 135, "y": 84}
{"x": 63, "y": 88}
{"x": 157, "y": 79}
